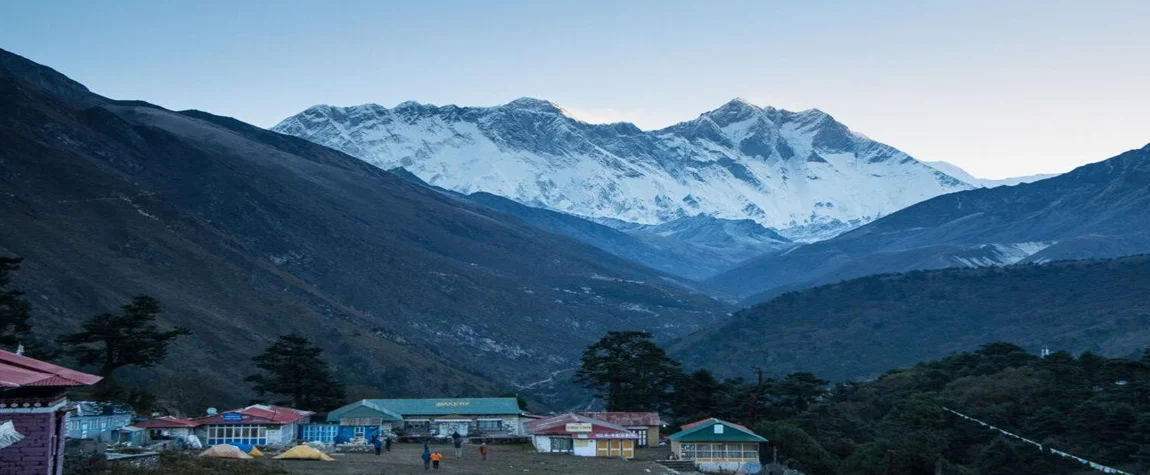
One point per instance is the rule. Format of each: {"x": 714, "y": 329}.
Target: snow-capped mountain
{"x": 801, "y": 173}
{"x": 957, "y": 172}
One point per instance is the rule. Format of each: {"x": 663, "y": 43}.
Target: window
{"x": 642, "y": 436}
{"x": 236, "y": 433}
{"x": 750, "y": 451}
{"x": 562, "y": 445}
{"x": 490, "y": 426}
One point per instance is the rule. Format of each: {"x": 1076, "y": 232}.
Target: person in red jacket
{"x": 483, "y": 450}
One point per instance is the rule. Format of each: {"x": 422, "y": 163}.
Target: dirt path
{"x": 503, "y": 460}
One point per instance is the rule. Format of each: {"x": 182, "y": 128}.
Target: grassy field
{"x": 502, "y": 460}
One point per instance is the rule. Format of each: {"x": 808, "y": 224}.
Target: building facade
{"x": 647, "y": 425}
{"x": 167, "y": 428}
{"x": 33, "y": 397}
{"x": 253, "y": 425}
{"x": 440, "y": 418}
{"x": 99, "y": 421}
{"x": 718, "y": 446}
{"x": 582, "y": 436}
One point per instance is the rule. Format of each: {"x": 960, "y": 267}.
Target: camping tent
{"x": 225, "y": 451}
{"x": 304, "y": 452}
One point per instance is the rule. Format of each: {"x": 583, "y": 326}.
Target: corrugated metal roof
{"x": 100, "y": 408}
{"x": 627, "y": 418}
{"x": 19, "y": 371}
{"x": 257, "y": 414}
{"x": 490, "y": 406}
{"x": 557, "y": 425}
{"x": 165, "y": 422}
{"x": 367, "y": 405}
{"x": 702, "y": 431}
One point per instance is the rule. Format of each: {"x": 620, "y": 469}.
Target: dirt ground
{"x": 502, "y": 460}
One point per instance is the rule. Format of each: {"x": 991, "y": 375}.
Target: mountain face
{"x": 244, "y": 235}
{"x": 801, "y": 173}
{"x": 693, "y": 248}
{"x": 862, "y": 327}
{"x": 1100, "y": 210}
{"x": 957, "y": 172}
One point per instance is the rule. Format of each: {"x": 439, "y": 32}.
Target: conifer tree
{"x": 292, "y": 367}
{"x": 629, "y": 371}
{"x": 14, "y": 325}
{"x": 130, "y": 338}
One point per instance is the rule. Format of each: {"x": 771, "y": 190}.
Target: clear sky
{"x": 1000, "y": 88}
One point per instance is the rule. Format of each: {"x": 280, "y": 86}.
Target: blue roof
{"x": 364, "y": 408}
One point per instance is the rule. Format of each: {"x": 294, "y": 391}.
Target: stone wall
{"x": 33, "y": 454}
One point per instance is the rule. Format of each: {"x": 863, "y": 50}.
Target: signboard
{"x": 578, "y": 427}
{"x": 452, "y": 403}
{"x": 232, "y": 417}
{"x": 615, "y": 435}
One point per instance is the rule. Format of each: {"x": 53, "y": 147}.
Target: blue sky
{"x": 1000, "y": 88}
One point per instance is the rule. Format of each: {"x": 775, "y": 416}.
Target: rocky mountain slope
{"x": 862, "y": 327}
{"x": 245, "y": 234}
{"x": 1099, "y": 210}
{"x": 801, "y": 173}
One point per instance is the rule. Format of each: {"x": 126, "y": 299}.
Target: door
{"x": 602, "y": 448}
{"x": 628, "y": 449}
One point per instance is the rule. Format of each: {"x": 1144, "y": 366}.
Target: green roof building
{"x": 718, "y": 446}
{"x": 442, "y": 417}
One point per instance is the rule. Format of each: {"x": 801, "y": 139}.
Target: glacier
{"x": 802, "y": 174}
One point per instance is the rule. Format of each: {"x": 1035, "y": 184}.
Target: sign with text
{"x": 232, "y": 417}
{"x": 578, "y": 427}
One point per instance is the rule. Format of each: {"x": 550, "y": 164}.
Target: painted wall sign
{"x": 578, "y": 427}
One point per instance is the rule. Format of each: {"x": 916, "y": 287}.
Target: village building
{"x": 164, "y": 428}
{"x": 581, "y": 435}
{"x": 253, "y": 425}
{"x": 646, "y": 424}
{"x": 469, "y": 417}
{"x": 718, "y": 446}
{"x": 100, "y": 421}
{"x": 34, "y": 408}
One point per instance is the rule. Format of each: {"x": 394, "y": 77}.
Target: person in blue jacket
{"x": 378, "y": 445}
{"x": 426, "y": 459}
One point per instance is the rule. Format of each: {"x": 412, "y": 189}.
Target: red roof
{"x": 258, "y": 414}
{"x": 19, "y": 371}
{"x": 599, "y": 429}
{"x": 165, "y": 422}
{"x": 627, "y": 418}
{"x": 709, "y": 419}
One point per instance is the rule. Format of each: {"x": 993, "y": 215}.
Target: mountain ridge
{"x": 801, "y": 173}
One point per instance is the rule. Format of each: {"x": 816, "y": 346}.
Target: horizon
{"x": 983, "y": 86}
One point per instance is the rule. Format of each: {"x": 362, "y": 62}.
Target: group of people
{"x": 381, "y": 445}
{"x": 431, "y": 460}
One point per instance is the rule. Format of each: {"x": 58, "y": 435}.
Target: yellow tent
{"x": 225, "y": 451}
{"x": 304, "y": 452}
{"x": 255, "y": 452}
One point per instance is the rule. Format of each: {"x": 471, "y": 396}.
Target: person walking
{"x": 435, "y": 459}
{"x": 378, "y": 445}
{"x": 483, "y": 450}
{"x": 387, "y": 444}
{"x": 426, "y": 455}
{"x": 457, "y": 442}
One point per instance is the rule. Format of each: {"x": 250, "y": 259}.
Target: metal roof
{"x": 558, "y": 426}
{"x": 19, "y": 371}
{"x": 257, "y": 414}
{"x": 627, "y": 418}
{"x": 363, "y": 408}
{"x": 489, "y": 406}
{"x": 703, "y": 431}
{"x": 165, "y": 422}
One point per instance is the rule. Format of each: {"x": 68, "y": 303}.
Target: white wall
{"x": 542, "y": 443}
{"x": 588, "y": 449}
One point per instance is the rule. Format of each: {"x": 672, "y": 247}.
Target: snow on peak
{"x": 801, "y": 173}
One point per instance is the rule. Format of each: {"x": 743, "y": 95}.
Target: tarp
{"x": 255, "y": 452}
{"x": 304, "y": 452}
{"x": 225, "y": 451}
{"x": 8, "y": 434}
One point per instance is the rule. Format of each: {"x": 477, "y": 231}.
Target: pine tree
{"x": 629, "y": 371}
{"x": 130, "y": 338}
{"x": 14, "y": 325}
{"x": 292, "y": 367}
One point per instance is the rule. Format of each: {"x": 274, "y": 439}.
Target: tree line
{"x": 1088, "y": 405}
{"x": 291, "y": 372}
